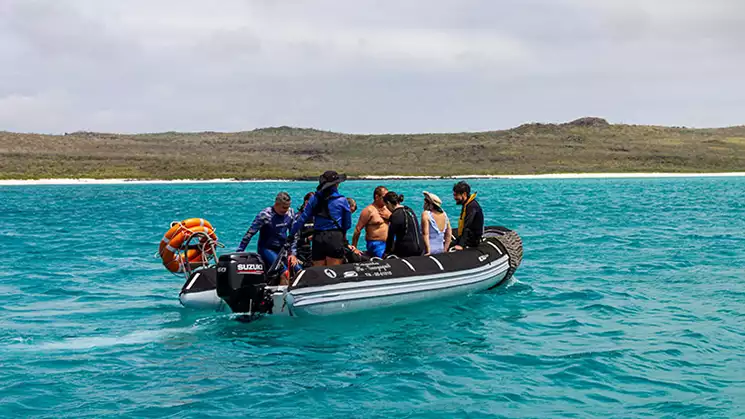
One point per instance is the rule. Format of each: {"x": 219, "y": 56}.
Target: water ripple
{"x": 630, "y": 303}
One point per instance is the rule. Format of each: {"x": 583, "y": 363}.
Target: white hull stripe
{"x": 494, "y": 274}
{"x": 438, "y": 263}
{"x": 494, "y": 246}
{"x": 188, "y": 287}
{"x": 408, "y": 264}
{"x": 300, "y": 275}
{"x": 398, "y": 281}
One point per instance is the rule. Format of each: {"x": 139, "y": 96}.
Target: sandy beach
{"x": 19, "y": 182}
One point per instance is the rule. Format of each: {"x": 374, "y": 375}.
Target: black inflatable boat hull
{"x": 393, "y": 282}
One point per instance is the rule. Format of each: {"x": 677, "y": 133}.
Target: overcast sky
{"x": 367, "y": 66}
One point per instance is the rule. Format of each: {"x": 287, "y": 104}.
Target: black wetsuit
{"x": 303, "y": 244}
{"x": 404, "y": 235}
{"x": 473, "y": 226}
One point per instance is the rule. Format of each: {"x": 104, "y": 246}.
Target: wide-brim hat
{"x": 432, "y": 198}
{"x": 329, "y": 179}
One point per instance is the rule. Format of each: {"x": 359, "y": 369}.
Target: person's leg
{"x": 334, "y": 261}
{"x": 375, "y": 248}
{"x": 285, "y": 279}
{"x": 268, "y": 256}
{"x": 369, "y": 248}
{"x": 317, "y": 249}
{"x": 335, "y": 249}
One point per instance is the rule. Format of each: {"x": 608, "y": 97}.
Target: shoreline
{"x": 85, "y": 181}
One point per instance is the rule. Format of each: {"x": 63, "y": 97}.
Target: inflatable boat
{"x": 200, "y": 291}
{"x": 241, "y": 283}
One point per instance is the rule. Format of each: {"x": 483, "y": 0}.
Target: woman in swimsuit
{"x": 436, "y": 230}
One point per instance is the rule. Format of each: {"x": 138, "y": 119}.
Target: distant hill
{"x": 584, "y": 145}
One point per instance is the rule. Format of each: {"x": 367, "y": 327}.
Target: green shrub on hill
{"x": 583, "y": 145}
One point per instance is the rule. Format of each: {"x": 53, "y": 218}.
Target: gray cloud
{"x": 368, "y": 65}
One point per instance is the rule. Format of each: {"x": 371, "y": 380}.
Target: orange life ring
{"x": 170, "y": 247}
{"x": 194, "y": 256}
{"x": 194, "y": 222}
{"x": 177, "y": 227}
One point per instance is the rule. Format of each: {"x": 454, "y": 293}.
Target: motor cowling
{"x": 242, "y": 281}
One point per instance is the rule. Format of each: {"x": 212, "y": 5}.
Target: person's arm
{"x": 262, "y": 218}
{"x": 468, "y": 228}
{"x": 390, "y": 240}
{"x": 425, "y": 232}
{"x": 478, "y": 224}
{"x": 291, "y": 257}
{"x": 459, "y": 237}
{"x": 290, "y": 238}
{"x": 448, "y": 236}
{"x": 361, "y": 223}
{"x": 346, "y": 216}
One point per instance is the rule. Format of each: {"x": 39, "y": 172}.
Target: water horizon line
{"x": 122, "y": 181}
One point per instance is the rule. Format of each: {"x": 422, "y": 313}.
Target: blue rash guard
{"x": 338, "y": 211}
{"x": 272, "y": 229}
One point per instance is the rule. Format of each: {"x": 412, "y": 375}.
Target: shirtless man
{"x": 374, "y": 219}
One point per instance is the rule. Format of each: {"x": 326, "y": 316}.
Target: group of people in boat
{"x": 317, "y": 234}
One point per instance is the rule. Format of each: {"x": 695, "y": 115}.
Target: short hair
{"x": 462, "y": 187}
{"x": 352, "y": 203}
{"x": 283, "y": 198}
{"x": 306, "y": 198}
{"x": 379, "y": 191}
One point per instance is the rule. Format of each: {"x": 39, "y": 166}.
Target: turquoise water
{"x": 630, "y": 303}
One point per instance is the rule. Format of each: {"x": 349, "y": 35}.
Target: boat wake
{"x": 140, "y": 337}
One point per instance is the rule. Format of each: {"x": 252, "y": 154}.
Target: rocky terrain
{"x": 583, "y": 145}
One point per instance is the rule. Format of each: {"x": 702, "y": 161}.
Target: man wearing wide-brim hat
{"x": 332, "y": 219}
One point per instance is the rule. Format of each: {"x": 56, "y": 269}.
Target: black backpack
{"x": 322, "y": 208}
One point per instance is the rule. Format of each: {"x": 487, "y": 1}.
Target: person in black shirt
{"x": 471, "y": 223}
{"x": 305, "y": 236}
{"x": 404, "y": 236}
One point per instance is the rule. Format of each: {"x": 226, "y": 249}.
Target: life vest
{"x": 321, "y": 208}
{"x": 462, "y": 219}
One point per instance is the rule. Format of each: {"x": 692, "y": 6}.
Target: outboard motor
{"x": 242, "y": 281}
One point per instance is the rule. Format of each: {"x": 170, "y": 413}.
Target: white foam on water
{"x": 97, "y": 342}
{"x": 12, "y": 182}
{"x": 567, "y": 176}
{"x": 609, "y": 175}
{"x": 19, "y": 182}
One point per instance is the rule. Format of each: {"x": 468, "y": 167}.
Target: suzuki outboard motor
{"x": 242, "y": 281}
